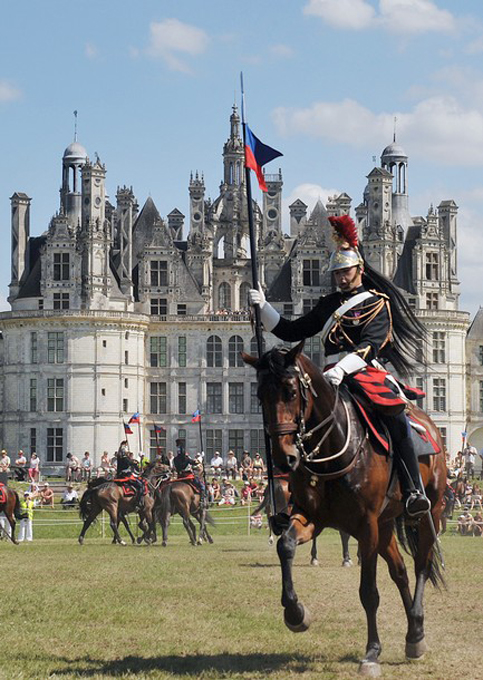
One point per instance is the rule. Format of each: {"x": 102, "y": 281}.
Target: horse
{"x": 179, "y": 497}
{"x": 102, "y": 494}
{"x": 282, "y": 505}
{"x": 10, "y": 506}
{"x": 339, "y": 479}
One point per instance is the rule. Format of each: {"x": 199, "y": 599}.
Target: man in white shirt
{"x": 4, "y": 462}
{"x": 231, "y": 465}
{"x": 86, "y": 464}
{"x": 469, "y": 455}
{"x": 21, "y": 467}
{"x": 216, "y": 463}
{"x": 70, "y": 497}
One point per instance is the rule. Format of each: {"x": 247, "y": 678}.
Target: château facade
{"x": 114, "y": 311}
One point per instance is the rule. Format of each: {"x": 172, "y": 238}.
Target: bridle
{"x": 298, "y": 426}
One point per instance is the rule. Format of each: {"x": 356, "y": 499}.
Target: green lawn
{"x": 103, "y": 611}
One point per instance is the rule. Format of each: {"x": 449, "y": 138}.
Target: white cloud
{"x": 415, "y": 16}
{"x": 438, "y": 127}
{"x": 8, "y": 92}
{"x": 470, "y": 247}
{"x": 171, "y": 40}
{"x": 407, "y": 17}
{"x": 281, "y": 51}
{"x": 91, "y": 51}
{"x": 349, "y": 14}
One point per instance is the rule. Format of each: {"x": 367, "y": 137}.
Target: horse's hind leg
{"x": 11, "y": 521}
{"x": 190, "y": 529}
{"x": 87, "y": 524}
{"x": 346, "y": 558}
{"x": 313, "y": 553}
{"x": 122, "y": 518}
{"x": 300, "y": 530}
{"x": 369, "y": 597}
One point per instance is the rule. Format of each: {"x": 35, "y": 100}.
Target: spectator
{"x": 170, "y": 460}
{"x": 34, "y": 468}
{"x": 478, "y": 524}
{"x": 20, "y": 467}
{"x": 465, "y": 524}
{"x": 4, "y": 462}
{"x": 70, "y": 497}
{"x": 143, "y": 461}
{"x": 216, "y": 490}
{"x": 258, "y": 466}
{"x": 246, "y": 493}
{"x": 72, "y": 468}
{"x": 27, "y": 511}
{"x": 246, "y": 466}
{"x": 105, "y": 466}
{"x": 476, "y": 497}
{"x": 216, "y": 464}
{"x": 86, "y": 467}
{"x": 231, "y": 465}
{"x": 469, "y": 456}
{"x": 46, "y": 495}
{"x": 227, "y": 494}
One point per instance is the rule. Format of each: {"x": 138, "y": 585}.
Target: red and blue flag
{"x": 127, "y": 429}
{"x": 258, "y": 154}
{"x": 159, "y": 428}
{"x": 196, "y": 417}
{"x": 136, "y": 418}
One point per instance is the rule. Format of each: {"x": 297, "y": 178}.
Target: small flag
{"x": 196, "y": 417}
{"x": 258, "y": 154}
{"x": 136, "y": 418}
{"x": 159, "y": 428}
{"x": 127, "y": 429}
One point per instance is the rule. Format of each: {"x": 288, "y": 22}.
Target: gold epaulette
{"x": 379, "y": 294}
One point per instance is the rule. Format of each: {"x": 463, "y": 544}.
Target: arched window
{"x": 224, "y": 296}
{"x": 214, "y": 352}
{"x": 243, "y": 296}
{"x": 254, "y": 346}
{"x": 235, "y": 347}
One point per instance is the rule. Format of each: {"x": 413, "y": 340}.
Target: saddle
{"x": 189, "y": 479}
{"x": 128, "y": 487}
{"x": 3, "y": 493}
{"x": 373, "y": 393}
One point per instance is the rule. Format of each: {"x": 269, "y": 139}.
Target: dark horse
{"x": 338, "y": 480}
{"x": 179, "y": 497}
{"x": 282, "y": 505}
{"x": 107, "y": 495}
{"x": 11, "y": 508}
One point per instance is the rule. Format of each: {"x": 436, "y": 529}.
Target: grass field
{"x": 103, "y": 611}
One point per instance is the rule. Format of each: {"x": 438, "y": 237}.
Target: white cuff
{"x": 269, "y": 316}
{"x": 352, "y": 363}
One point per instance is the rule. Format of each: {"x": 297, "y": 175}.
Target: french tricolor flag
{"x": 258, "y": 154}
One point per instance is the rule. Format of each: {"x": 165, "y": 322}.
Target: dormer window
{"x": 61, "y": 266}
{"x": 159, "y": 273}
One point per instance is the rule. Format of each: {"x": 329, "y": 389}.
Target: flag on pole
{"x": 258, "y": 154}
{"x": 159, "y": 428}
{"x": 127, "y": 429}
{"x": 196, "y": 417}
{"x": 136, "y": 418}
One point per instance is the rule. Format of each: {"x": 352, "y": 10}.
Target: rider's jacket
{"x": 182, "y": 462}
{"x": 364, "y": 329}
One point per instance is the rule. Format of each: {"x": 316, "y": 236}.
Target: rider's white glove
{"x": 346, "y": 366}
{"x": 270, "y": 317}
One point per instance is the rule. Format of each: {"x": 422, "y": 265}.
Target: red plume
{"x": 345, "y": 231}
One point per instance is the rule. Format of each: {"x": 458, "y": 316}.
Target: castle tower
{"x": 73, "y": 160}
{"x": 125, "y": 217}
{"x": 233, "y": 153}
{"x": 272, "y": 204}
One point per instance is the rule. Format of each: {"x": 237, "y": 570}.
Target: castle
{"x": 113, "y": 311}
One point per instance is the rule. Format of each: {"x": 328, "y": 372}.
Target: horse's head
{"x": 280, "y": 393}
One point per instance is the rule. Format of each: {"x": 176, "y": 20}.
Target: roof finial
{"x": 75, "y": 126}
{"x": 395, "y": 123}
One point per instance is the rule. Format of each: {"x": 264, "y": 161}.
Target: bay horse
{"x": 339, "y": 480}
{"x": 282, "y": 505}
{"x": 102, "y": 494}
{"x": 10, "y": 506}
{"x": 179, "y": 497}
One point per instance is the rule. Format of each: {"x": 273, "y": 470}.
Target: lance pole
{"x": 256, "y": 308}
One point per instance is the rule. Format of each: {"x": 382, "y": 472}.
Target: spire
{"x": 75, "y": 126}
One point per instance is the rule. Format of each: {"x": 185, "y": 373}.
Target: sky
{"x": 326, "y": 82}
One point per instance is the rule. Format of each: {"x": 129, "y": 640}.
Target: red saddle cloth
{"x": 128, "y": 487}
{"x": 3, "y": 493}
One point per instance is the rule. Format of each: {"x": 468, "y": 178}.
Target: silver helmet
{"x": 342, "y": 258}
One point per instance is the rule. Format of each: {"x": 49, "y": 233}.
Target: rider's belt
{"x": 349, "y": 304}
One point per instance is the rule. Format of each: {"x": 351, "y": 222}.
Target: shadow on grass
{"x": 191, "y": 665}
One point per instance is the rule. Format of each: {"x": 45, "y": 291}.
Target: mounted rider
{"x": 186, "y": 467}
{"x": 128, "y": 472}
{"x": 365, "y": 322}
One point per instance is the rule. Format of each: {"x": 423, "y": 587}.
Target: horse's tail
{"x": 85, "y": 504}
{"x": 408, "y": 535}
{"x": 164, "y": 509}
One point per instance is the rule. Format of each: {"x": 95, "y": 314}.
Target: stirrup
{"x": 417, "y": 504}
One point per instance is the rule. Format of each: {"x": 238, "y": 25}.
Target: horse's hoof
{"x": 210, "y": 540}
{"x": 314, "y": 562}
{"x": 347, "y": 563}
{"x": 81, "y": 540}
{"x": 199, "y": 541}
{"x": 271, "y": 540}
{"x": 416, "y": 650}
{"x": 164, "y": 544}
{"x": 139, "y": 540}
{"x": 370, "y": 669}
{"x": 122, "y": 543}
{"x": 15, "y": 542}
{"x": 299, "y": 627}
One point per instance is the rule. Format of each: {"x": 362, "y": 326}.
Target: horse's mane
{"x": 273, "y": 363}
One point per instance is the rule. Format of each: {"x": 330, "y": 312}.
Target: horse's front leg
{"x": 300, "y": 530}
{"x": 369, "y": 596}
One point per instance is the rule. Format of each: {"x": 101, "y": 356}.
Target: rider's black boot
{"x": 416, "y": 503}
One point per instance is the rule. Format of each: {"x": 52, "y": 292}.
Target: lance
{"x": 258, "y": 321}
